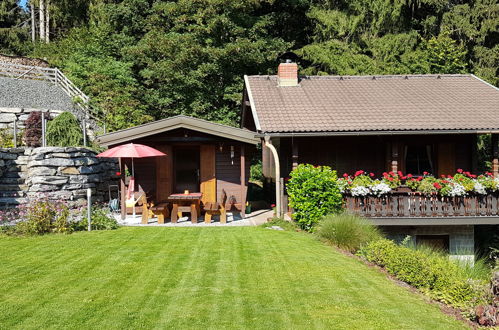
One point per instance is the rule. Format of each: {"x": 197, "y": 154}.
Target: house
{"x": 408, "y": 123}
{"x": 201, "y": 156}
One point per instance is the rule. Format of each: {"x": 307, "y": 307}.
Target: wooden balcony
{"x": 412, "y": 208}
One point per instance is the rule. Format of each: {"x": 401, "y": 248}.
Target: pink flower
{"x": 345, "y": 175}
{"x": 409, "y": 175}
{"x": 425, "y": 173}
{"x": 459, "y": 170}
{"x": 437, "y": 185}
{"x": 371, "y": 174}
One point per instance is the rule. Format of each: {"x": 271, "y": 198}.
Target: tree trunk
{"x": 33, "y": 20}
{"x": 47, "y": 21}
{"x": 42, "y": 20}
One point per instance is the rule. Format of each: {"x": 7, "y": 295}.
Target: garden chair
{"x": 214, "y": 208}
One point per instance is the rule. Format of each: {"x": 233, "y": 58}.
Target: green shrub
{"x": 313, "y": 192}
{"x": 431, "y": 271}
{"x": 100, "y": 220}
{"x": 44, "y": 216}
{"x": 347, "y": 231}
{"x": 256, "y": 172}
{"x": 64, "y": 131}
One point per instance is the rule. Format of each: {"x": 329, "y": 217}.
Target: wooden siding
{"x": 372, "y": 154}
{"x": 228, "y": 175}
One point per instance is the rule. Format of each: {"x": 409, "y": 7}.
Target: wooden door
{"x": 446, "y": 159}
{"x": 164, "y": 174}
{"x": 207, "y": 175}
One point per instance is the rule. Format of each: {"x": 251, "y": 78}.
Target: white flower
{"x": 380, "y": 189}
{"x": 479, "y": 188}
{"x": 359, "y": 191}
{"x": 457, "y": 190}
{"x": 496, "y": 184}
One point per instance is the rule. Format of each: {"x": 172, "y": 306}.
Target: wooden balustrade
{"x": 414, "y": 205}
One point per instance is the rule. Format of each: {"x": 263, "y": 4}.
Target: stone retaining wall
{"x": 8, "y": 115}
{"x": 54, "y": 172}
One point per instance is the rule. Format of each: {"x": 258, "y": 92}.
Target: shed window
{"x": 438, "y": 242}
{"x": 418, "y": 159}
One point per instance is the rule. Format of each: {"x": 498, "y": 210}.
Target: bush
{"x": 347, "y": 231}
{"x": 33, "y": 130}
{"x": 100, "y": 220}
{"x": 432, "y": 272}
{"x": 313, "y": 192}
{"x": 42, "y": 217}
{"x": 64, "y": 131}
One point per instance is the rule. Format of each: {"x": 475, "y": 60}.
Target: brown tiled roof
{"x": 382, "y": 103}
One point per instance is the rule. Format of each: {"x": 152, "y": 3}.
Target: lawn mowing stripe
{"x": 61, "y": 288}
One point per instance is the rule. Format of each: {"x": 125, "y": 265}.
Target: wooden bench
{"x": 213, "y": 208}
{"x": 150, "y": 209}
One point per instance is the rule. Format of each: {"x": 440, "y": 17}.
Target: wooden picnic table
{"x": 186, "y": 203}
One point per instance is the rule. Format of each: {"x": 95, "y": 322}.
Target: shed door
{"x": 446, "y": 159}
{"x": 164, "y": 174}
{"x": 207, "y": 175}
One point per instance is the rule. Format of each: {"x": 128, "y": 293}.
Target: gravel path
{"x": 20, "y": 93}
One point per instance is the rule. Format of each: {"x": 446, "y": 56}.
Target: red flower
{"x": 459, "y": 170}
{"x": 437, "y": 185}
{"x": 345, "y": 175}
{"x": 371, "y": 174}
{"x": 489, "y": 173}
{"x": 272, "y": 205}
{"x": 425, "y": 173}
{"x": 390, "y": 179}
{"x": 400, "y": 173}
{"x": 118, "y": 173}
{"x": 360, "y": 172}
{"x": 349, "y": 182}
{"x": 420, "y": 178}
{"x": 409, "y": 175}
{"x": 473, "y": 176}
{"x": 443, "y": 176}
{"x": 391, "y": 173}
{"x": 403, "y": 177}
{"x": 445, "y": 181}
{"x": 449, "y": 176}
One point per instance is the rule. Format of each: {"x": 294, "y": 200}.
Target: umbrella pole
{"x": 133, "y": 176}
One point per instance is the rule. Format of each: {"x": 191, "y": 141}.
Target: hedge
{"x": 431, "y": 272}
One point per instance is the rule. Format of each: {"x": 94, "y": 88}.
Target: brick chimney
{"x": 287, "y": 74}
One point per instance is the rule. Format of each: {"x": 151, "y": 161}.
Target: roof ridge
{"x": 373, "y": 77}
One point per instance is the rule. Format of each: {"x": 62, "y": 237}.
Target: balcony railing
{"x": 413, "y": 205}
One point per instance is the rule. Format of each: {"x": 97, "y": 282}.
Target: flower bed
{"x": 461, "y": 184}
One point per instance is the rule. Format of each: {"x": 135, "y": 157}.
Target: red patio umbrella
{"x": 131, "y": 150}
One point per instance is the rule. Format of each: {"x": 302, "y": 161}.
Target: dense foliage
{"x": 148, "y": 59}
{"x": 430, "y": 271}
{"x": 313, "y": 193}
{"x": 348, "y": 232}
{"x": 64, "y": 131}
{"x": 32, "y": 136}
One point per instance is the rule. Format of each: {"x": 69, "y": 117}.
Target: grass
{"x": 199, "y": 278}
{"x": 347, "y": 231}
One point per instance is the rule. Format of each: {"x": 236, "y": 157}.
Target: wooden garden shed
{"x": 201, "y": 156}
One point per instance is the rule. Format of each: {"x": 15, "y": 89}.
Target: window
{"x": 439, "y": 242}
{"x": 418, "y": 159}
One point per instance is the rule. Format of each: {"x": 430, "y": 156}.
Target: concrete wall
{"x": 54, "y": 172}
{"x": 461, "y": 238}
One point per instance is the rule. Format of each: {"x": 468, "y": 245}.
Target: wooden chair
{"x": 150, "y": 210}
{"x": 213, "y": 208}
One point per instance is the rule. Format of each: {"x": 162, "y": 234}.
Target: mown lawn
{"x": 198, "y": 278}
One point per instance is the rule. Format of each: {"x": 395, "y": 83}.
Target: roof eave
{"x": 170, "y": 124}
{"x": 379, "y": 132}
{"x": 252, "y": 103}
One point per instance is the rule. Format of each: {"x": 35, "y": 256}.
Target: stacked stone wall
{"x": 54, "y": 173}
